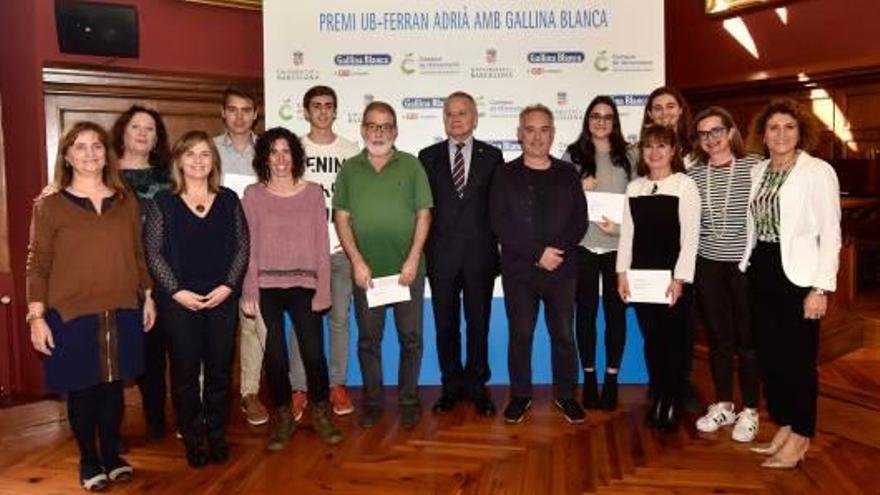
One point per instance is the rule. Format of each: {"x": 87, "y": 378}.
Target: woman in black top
{"x": 140, "y": 141}
{"x": 197, "y": 249}
{"x": 660, "y": 231}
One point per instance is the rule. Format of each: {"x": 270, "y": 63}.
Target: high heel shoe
{"x": 776, "y": 463}
{"x": 766, "y": 449}
{"x": 772, "y": 447}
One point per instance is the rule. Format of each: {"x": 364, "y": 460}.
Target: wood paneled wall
{"x": 846, "y": 102}
{"x": 72, "y": 94}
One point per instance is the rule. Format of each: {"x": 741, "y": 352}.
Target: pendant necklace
{"x": 709, "y": 205}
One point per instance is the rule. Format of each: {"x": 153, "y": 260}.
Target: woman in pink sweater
{"x": 289, "y": 272}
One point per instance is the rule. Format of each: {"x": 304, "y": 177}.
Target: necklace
{"x": 197, "y": 204}
{"x": 710, "y": 203}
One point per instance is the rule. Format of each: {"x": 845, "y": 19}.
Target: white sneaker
{"x": 746, "y": 428}
{"x": 720, "y": 414}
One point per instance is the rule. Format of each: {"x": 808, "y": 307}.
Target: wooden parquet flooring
{"x": 461, "y": 453}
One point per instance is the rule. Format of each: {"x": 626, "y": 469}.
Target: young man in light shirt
{"x": 236, "y": 147}
{"x": 325, "y": 152}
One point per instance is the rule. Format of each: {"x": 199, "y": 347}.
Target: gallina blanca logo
{"x": 417, "y": 102}
{"x": 362, "y": 59}
{"x": 556, "y": 57}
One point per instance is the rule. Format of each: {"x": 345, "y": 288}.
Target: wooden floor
{"x": 461, "y": 453}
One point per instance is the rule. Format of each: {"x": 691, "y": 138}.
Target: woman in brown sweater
{"x": 86, "y": 279}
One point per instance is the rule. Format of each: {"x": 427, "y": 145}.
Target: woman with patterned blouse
{"x": 792, "y": 260}
{"x": 140, "y": 141}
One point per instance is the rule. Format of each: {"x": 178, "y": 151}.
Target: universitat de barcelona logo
{"x": 491, "y": 55}
{"x": 297, "y": 58}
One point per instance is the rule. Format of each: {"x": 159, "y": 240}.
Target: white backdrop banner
{"x": 507, "y": 54}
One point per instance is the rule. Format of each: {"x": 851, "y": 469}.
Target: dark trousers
{"x": 446, "y": 299}
{"x": 787, "y": 343}
{"x": 200, "y": 339}
{"x": 722, "y": 294}
{"x": 96, "y": 410}
{"x": 591, "y": 266}
{"x": 152, "y": 382}
{"x": 371, "y": 327}
{"x": 521, "y": 298}
{"x": 309, "y": 335}
{"x": 664, "y": 330}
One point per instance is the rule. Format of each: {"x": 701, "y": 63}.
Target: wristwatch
{"x": 31, "y": 316}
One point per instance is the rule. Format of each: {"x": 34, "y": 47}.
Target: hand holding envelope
{"x": 649, "y": 286}
{"x": 387, "y": 290}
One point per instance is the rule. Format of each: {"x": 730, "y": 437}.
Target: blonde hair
{"x": 187, "y": 142}
{"x": 63, "y": 174}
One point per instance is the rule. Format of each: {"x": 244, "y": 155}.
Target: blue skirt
{"x": 95, "y": 348}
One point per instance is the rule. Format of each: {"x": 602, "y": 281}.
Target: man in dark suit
{"x": 461, "y": 252}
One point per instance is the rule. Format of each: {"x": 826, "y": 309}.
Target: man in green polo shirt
{"x": 382, "y": 209}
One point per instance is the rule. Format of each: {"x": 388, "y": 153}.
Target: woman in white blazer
{"x": 791, "y": 261}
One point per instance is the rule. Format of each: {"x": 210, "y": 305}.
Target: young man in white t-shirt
{"x": 325, "y": 152}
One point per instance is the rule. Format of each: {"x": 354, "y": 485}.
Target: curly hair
{"x": 263, "y": 150}
{"x": 808, "y": 128}
{"x": 653, "y": 134}
{"x": 160, "y": 155}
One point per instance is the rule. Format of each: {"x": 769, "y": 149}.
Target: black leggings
{"x": 96, "y": 410}
{"x": 664, "y": 330}
{"x": 309, "y": 334}
{"x": 590, "y": 267}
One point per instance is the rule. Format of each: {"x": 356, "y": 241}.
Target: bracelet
{"x": 33, "y": 316}
{"x": 820, "y": 292}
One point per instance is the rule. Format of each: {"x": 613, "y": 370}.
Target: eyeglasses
{"x": 373, "y": 128}
{"x": 714, "y": 133}
{"x": 599, "y": 118}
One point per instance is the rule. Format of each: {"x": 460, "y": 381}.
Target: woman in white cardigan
{"x": 791, "y": 260}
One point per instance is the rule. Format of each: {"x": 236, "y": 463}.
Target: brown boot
{"x": 282, "y": 430}
{"x": 323, "y": 425}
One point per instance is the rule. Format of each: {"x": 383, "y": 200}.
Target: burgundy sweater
{"x": 289, "y": 242}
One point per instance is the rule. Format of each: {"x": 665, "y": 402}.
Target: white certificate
{"x": 649, "y": 286}
{"x": 603, "y": 204}
{"x": 386, "y": 290}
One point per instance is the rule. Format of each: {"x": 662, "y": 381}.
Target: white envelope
{"x": 603, "y": 204}
{"x": 649, "y": 286}
{"x": 386, "y": 290}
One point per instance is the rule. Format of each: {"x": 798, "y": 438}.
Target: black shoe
{"x": 691, "y": 400}
{"x": 483, "y": 404}
{"x": 369, "y": 416}
{"x": 654, "y": 414}
{"x": 445, "y": 403}
{"x": 155, "y": 432}
{"x": 572, "y": 411}
{"x": 218, "y": 451}
{"x": 92, "y": 478}
{"x": 119, "y": 470}
{"x": 668, "y": 421}
{"x": 609, "y": 392}
{"x": 516, "y": 409}
{"x": 196, "y": 456}
{"x": 410, "y": 415}
{"x": 590, "y": 391}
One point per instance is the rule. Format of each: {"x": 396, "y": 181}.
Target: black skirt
{"x": 95, "y": 348}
